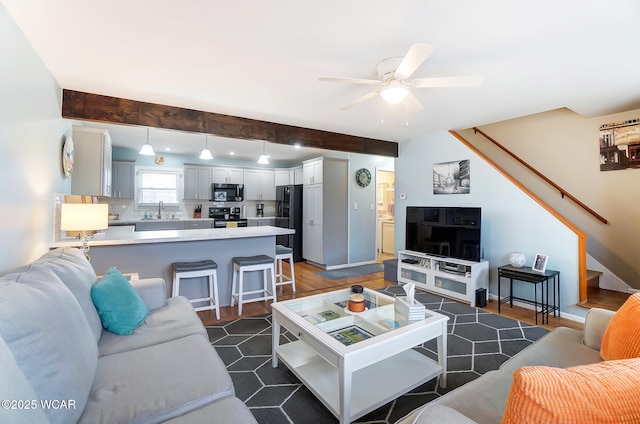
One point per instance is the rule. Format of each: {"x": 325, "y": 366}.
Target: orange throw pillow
{"x": 604, "y": 392}
{"x": 621, "y": 339}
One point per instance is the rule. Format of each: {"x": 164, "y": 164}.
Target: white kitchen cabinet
{"x": 298, "y": 177}
{"x": 92, "y": 162}
{"x": 282, "y": 177}
{"x": 259, "y": 184}
{"x": 122, "y": 179}
{"x": 312, "y": 171}
{"x": 325, "y": 214}
{"x": 223, "y": 175}
{"x": 197, "y": 182}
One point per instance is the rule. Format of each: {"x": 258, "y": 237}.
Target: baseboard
{"x": 571, "y": 317}
{"x": 332, "y": 267}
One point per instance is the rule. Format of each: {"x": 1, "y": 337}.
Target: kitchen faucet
{"x": 160, "y": 207}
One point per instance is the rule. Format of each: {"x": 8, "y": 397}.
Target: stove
{"x": 222, "y": 216}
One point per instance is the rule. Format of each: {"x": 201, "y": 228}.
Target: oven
{"x": 227, "y": 217}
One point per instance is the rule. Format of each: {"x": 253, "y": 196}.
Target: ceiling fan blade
{"x": 360, "y": 100}
{"x": 413, "y": 104}
{"x": 351, "y": 80}
{"x": 415, "y": 57}
{"x": 468, "y": 81}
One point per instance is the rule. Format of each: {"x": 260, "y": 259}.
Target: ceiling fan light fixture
{"x": 146, "y": 148}
{"x": 394, "y": 94}
{"x": 206, "y": 153}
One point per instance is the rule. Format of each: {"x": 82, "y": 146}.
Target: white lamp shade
{"x": 394, "y": 94}
{"x": 84, "y": 216}
{"x": 147, "y": 150}
{"x": 206, "y": 154}
{"x": 263, "y": 160}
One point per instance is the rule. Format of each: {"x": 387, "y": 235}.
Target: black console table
{"x": 534, "y": 277}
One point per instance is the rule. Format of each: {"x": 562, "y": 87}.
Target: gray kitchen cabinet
{"x": 223, "y": 175}
{"x": 259, "y": 184}
{"x": 159, "y": 225}
{"x": 325, "y": 212}
{"x": 122, "y": 178}
{"x": 92, "y": 162}
{"x": 197, "y": 182}
{"x": 194, "y": 225}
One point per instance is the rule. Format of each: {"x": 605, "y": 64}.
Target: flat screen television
{"x": 450, "y": 232}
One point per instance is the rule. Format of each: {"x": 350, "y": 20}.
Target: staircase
{"x": 601, "y": 298}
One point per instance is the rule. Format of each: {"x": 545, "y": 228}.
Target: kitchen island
{"x": 151, "y": 253}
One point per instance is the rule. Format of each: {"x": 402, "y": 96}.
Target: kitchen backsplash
{"x": 127, "y": 212}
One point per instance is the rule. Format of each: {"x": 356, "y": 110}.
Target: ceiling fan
{"x": 393, "y": 83}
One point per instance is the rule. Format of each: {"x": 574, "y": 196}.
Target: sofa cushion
{"x": 622, "y": 337}
{"x": 604, "y": 392}
{"x": 121, "y": 309}
{"x": 157, "y": 383}
{"x": 44, "y": 327}
{"x": 15, "y": 387}
{"x": 75, "y": 271}
{"x": 175, "y": 320}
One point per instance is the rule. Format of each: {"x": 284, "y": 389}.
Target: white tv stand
{"x": 455, "y": 278}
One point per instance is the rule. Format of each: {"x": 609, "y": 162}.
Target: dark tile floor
{"x": 478, "y": 341}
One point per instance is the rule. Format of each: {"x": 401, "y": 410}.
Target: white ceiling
{"x": 262, "y": 60}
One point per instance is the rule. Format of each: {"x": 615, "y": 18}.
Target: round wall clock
{"x": 363, "y": 177}
{"x": 159, "y": 160}
{"x": 67, "y": 157}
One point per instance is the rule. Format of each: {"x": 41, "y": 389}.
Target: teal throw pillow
{"x": 120, "y": 307}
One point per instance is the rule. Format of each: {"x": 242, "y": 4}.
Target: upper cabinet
{"x": 122, "y": 178}
{"x": 197, "y": 182}
{"x": 312, "y": 172}
{"x": 282, "y": 177}
{"x": 298, "y": 175}
{"x": 92, "y": 162}
{"x": 259, "y": 184}
{"x": 223, "y": 175}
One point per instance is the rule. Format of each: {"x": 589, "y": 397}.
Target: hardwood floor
{"x": 308, "y": 282}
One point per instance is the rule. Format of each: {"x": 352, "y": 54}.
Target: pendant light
{"x": 206, "y": 153}
{"x": 146, "y": 149}
{"x": 263, "y": 159}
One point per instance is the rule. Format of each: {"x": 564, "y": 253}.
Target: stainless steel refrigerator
{"x": 289, "y": 215}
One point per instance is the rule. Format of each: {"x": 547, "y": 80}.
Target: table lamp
{"x": 85, "y": 218}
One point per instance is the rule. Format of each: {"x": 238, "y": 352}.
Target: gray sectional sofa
{"x": 483, "y": 399}
{"x": 60, "y": 366}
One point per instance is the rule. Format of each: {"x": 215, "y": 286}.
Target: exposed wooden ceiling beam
{"x": 114, "y": 110}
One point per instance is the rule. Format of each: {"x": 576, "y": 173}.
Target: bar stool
{"x": 242, "y": 264}
{"x": 282, "y": 253}
{"x": 206, "y": 268}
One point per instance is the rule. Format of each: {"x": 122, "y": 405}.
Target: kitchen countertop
{"x": 124, "y": 235}
{"x": 124, "y": 222}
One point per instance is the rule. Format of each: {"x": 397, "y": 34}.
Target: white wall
{"x": 31, "y": 137}
{"x": 511, "y": 221}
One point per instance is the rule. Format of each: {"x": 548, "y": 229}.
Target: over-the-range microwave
{"x": 227, "y": 192}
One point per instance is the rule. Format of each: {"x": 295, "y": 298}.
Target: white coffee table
{"x": 372, "y": 365}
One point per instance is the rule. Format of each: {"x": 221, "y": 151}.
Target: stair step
{"x": 593, "y": 278}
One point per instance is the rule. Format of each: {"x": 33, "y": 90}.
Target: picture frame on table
{"x": 540, "y": 263}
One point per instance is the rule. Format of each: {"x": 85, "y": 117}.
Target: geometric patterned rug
{"x": 478, "y": 341}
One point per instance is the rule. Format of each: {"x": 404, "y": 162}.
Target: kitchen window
{"x": 154, "y": 186}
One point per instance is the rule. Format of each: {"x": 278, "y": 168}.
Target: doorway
{"x": 385, "y": 220}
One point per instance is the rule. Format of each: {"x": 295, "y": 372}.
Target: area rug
{"x": 478, "y": 341}
{"x": 337, "y": 274}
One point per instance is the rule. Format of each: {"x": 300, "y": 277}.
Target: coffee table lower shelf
{"x": 372, "y": 386}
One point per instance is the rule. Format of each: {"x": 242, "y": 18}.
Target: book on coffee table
{"x": 350, "y": 335}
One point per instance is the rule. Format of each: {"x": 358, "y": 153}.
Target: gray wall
{"x": 31, "y": 137}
